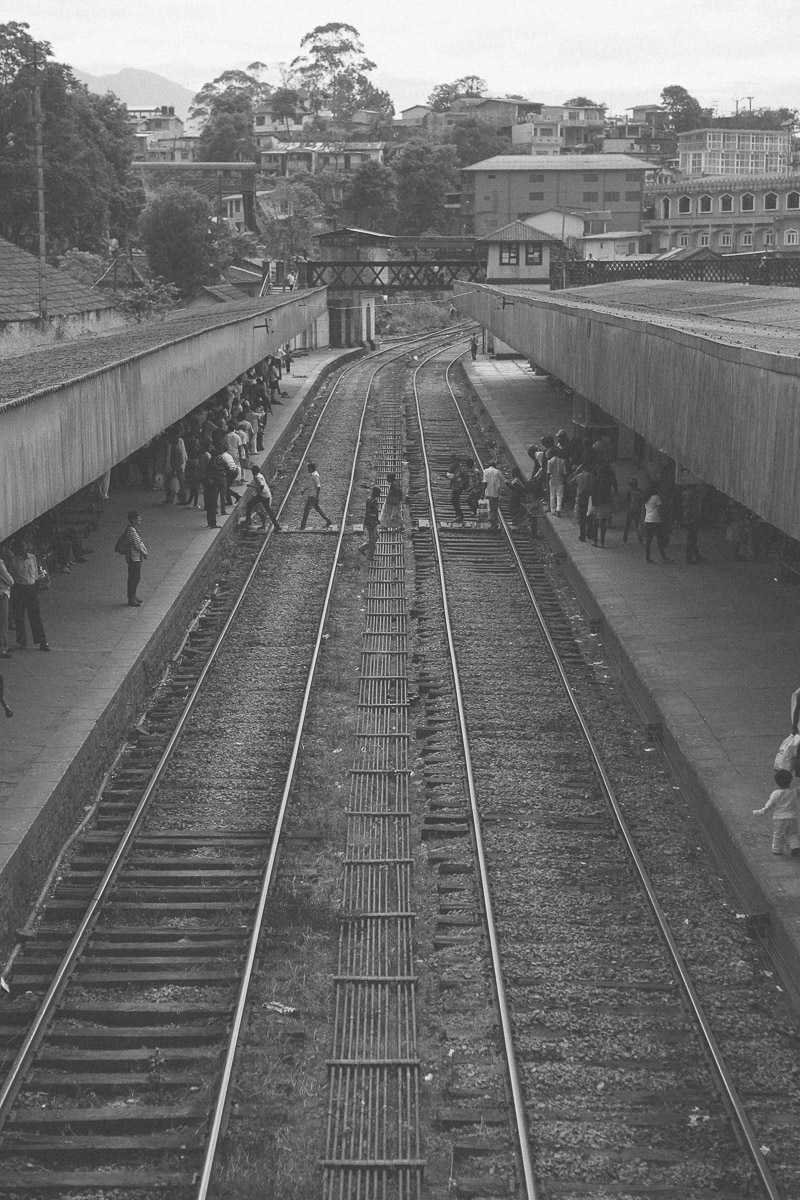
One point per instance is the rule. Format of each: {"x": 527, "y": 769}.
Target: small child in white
{"x": 783, "y": 802}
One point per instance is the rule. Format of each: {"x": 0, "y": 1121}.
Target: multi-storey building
{"x": 605, "y": 189}
{"x": 728, "y": 214}
{"x": 280, "y": 158}
{"x": 560, "y": 128}
{"x": 720, "y": 151}
{"x": 159, "y": 136}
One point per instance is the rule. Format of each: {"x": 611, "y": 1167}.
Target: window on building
{"x": 533, "y": 254}
{"x": 771, "y": 201}
{"x": 726, "y": 203}
{"x": 684, "y": 239}
{"x": 704, "y": 204}
{"x": 748, "y": 202}
{"x": 610, "y": 196}
{"x": 591, "y": 196}
{"x": 666, "y": 209}
{"x": 491, "y": 175}
{"x": 684, "y": 205}
{"x": 747, "y": 239}
{"x": 260, "y": 119}
{"x": 725, "y": 239}
{"x": 590, "y": 176}
{"x": 509, "y": 255}
{"x": 703, "y": 240}
{"x": 696, "y": 163}
{"x": 793, "y": 200}
{"x": 791, "y": 237}
{"x": 632, "y": 177}
{"x": 536, "y": 195}
{"x": 632, "y": 195}
{"x": 536, "y": 177}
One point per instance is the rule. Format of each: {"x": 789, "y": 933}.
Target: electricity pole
{"x": 41, "y": 259}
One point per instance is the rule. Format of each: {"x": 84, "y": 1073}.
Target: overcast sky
{"x": 622, "y": 52}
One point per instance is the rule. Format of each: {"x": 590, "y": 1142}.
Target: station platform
{"x": 708, "y": 653}
{"x": 71, "y": 706}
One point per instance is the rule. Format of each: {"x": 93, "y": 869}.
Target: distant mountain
{"x": 140, "y": 89}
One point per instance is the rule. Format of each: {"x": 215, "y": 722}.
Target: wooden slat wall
{"x": 728, "y": 413}
{"x": 58, "y": 443}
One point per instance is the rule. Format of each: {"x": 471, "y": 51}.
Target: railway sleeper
{"x": 113, "y": 1117}
{"x": 61, "y": 1182}
{"x": 133, "y": 1043}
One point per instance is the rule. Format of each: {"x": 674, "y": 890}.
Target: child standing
{"x": 783, "y": 802}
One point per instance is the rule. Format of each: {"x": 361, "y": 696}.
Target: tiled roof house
{"x": 73, "y": 308}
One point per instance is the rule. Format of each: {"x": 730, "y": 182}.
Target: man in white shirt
{"x": 261, "y": 500}
{"x": 312, "y": 499}
{"x": 493, "y": 480}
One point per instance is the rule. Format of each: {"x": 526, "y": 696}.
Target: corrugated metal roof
{"x": 562, "y": 162}
{"x": 19, "y": 289}
{"x": 518, "y": 231}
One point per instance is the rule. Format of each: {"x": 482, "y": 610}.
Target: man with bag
{"x": 25, "y": 594}
{"x": 131, "y": 545}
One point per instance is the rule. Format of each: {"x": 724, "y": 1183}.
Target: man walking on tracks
{"x": 261, "y": 500}
{"x": 493, "y": 481}
{"x": 312, "y": 500}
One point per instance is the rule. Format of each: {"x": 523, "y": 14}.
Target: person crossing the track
{"x": 312, "y": 499}
{"x": 261, "y": 500}
{"x": 493, "y": 486}
{"x": 371, "y": 518}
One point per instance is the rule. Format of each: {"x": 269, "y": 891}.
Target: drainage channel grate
{"x": 373, "y": 1137}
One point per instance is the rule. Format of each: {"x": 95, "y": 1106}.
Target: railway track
{"x": 632, "y": 1071}
{"x": 131, "y": 985}
{"x": 507, "y": 1017}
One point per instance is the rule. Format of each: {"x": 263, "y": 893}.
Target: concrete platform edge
{"x": 25, "y": 871}
{"x": 778, "y": 929}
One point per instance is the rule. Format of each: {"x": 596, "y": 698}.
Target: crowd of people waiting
{"x": 576, "y": 473}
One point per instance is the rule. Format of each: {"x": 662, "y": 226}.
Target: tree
{"x": 153, "y": 298}
{"x": 286, "y": 104}
{"x": 228, "y": 136}
{"x": 424, "y": 174}
{"x": 82, "y": 266}
{"x": 475, "y": 140}
{"x": 370, "y": 198}
{"x": 442, "y": 97}
{"x": 582, "y": 102}
{"x": 290, "y": 216}
{"x": 232, "y": 91}
{"x": 684, "y": 111}
{"x": 758, "y": 118}
{"x": 88, "y": 149}
{"x": 333, "y": 68}
{"x": 180, "y": 239}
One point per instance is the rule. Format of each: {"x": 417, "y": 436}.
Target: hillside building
{"x": 606, "y": 190}
{"x": 719, "y": 151}
{"x": 727, "y": 214}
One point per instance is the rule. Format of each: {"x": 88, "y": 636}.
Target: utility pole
{"x": 42, "y": 255}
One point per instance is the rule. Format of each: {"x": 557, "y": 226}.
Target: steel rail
{"x": 728, "y": 1087}
{"x": 520, "y": 1115}
{"x": 246, "y": 976}
{"x": 58, "y": 984}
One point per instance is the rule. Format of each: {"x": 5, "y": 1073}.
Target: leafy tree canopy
{"x": 370, "y": 198}
{"x": 333, "y": 68}
{"x": 683, "y": 110}
{"x": 232, "y": 91}
{"x": 88, "y": 148}
{"x": 443, "y": 95}
{"x": 151, "y": 299}
{"x": 582, "y": 102}
{"x": 758, "y": 118}
{"x": 475, "y": 140}
{"x": 290, "y": 217}
{"x": 424, "y": 174}
{"x": 227, "y": 137}
{"x": 182, "y": 243}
